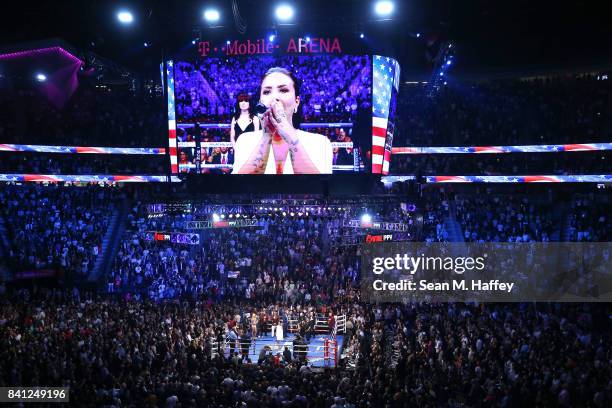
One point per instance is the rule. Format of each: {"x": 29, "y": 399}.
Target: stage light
{"x": 366, "y": 218}
{"x": 216, "y": 217}
{"x": 231, "y": 216}
{"x": 284, "y": 12}
{"x": 418, "y": 35}
{"x": 445, "y": 83}
{"x": 449, "y": 62}
{"x": 441, "y": 73}
{"x": 125, "y": 17}
{"x": 211, "y": 15}
{"x": 146, "y": 44}
{"x": 41, "y": 77}
{"x": 284, "y": 214}
{"x": 271, "y": 37}
{"x": 361, "y": 35}
{"x": 292, "y": 214}
{"x": 222, "y": 216}
{"x": 228, "y": 42}
{"x": 307, "y": 39}
{"x": 384, "y": 8}
{"x": 193, "y": 42}
{"x": 260, "y": 208}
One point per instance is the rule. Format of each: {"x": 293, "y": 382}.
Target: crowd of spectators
{"x": 555, "y": 110}
{"x": 502, "y": 164}
{"x": 505, "y": 218}
{"x": 92, "y": 117}
{"x": 113, "y": 352}
{"x": 245, "y": 261}
{"x": 55, "y": 228}
{"x": 155, "y": 335}
{"x": 589, "y": 218}
{"x": 332, "y": 88}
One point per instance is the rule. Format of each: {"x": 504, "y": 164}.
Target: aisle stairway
{"x": 110, "y": 243}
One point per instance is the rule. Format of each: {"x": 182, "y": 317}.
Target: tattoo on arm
{"x": 259, "y": 162}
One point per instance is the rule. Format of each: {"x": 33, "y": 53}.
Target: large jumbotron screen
{"x": 317, "y": 114}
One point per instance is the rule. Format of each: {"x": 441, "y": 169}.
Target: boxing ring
{"x": 322, "y": 350}
{"x": 322, "y": 347}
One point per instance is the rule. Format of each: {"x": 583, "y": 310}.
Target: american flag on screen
{"x": 386, "y": 77}
{"x": 171, "y": 119}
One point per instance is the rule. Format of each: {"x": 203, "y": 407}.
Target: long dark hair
{"x": 297, "y": 85}
{"x": 237, "y": 110}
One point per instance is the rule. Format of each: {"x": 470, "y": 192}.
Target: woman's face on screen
{"x": 278, "y": 86}
{"x": 244, "y": 105}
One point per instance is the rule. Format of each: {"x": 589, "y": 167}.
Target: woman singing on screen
{"x": 280, "y": 148}
{"x": 243, "y": 120}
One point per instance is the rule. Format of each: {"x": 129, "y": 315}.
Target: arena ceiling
{"x": 488, "y": 33}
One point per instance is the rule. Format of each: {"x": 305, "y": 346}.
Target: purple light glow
{"x": 34, "y": 53}
{"x": 62, "y": 81}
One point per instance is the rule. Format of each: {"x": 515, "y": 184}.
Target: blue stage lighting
{"x": 211, "y": 15}
{"x": 284, "y": 12}
{"x": 366, "y": 218}
{"x": 125, "y": 17}
{"x": 384, "y": 8}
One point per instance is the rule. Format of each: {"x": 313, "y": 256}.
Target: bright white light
{"x": 231, "y": 215}
{"x": 125, "y": 17}
{"x": 441, "y": 73}
{"x": 216, "y": 217}
{"x": 41, "y": 77}
{"x": 361, "y": 35}
{"x": 366, "y": 218}
{"x": 448, "y": 62}
{"x": 284, "y": 12}
{"x": 222, "y": 216}
{"x": 418, "y": 35}
{"x": 146, "y": 44}
{"x": 193, "y": 42}
{"x": 307, "y": 39}
{"x": 384, "y": 8}
{"x": 228, "y": 42}
{"x": 211, "y": 15}
{"x": 272, "y": 37}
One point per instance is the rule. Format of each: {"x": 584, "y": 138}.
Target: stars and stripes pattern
{"x": 82, "y": 149}
{"x": 585, "y": 178}
{"x": 385, "y": 77}
{"x": 585, "y": 147}
{"x": 171, "y": 119}
{"x": 86, "y": 178}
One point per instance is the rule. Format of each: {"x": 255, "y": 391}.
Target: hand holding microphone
{"x": 276, "y": 122}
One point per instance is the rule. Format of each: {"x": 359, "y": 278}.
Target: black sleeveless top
{"x": 239, "y": 131}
